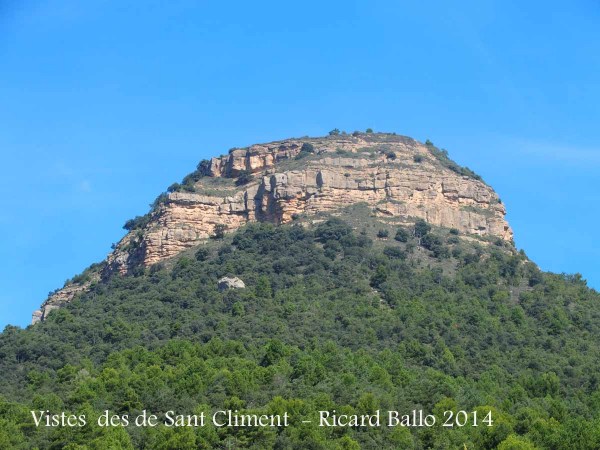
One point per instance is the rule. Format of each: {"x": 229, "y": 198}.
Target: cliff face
{"x": 398, "y": 177}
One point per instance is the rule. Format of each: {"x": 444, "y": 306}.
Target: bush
{"x": 306, "y": 150}
{"x": 175, "y": 187}
{"x": 307, "y": 147}
{"x": 161, "y": 199}
{"x": 421, "y": 228}
{"x": 333, "y": 229}
{"x": 431, "y": 241}
{"x": 380, "y": 276}
{"x": 137, "y": 222}
{"x": 442, "y": 156}
{"x": 203, "y": 166}
{"x": 188, "y": 188}
{"x": 219, "y": 231}
{"x": 369, "y": 130}
{"x": 383, "y": 234}
{"x": 401, "y": 235}
{"x": 441, "y": 252}
{"x": 191, "y": 179}
{"x": 79, "y": 279}
{"x": 452, "y": 240}
{"x": 394, "y": 253}
{"x": 418, "y": 158}
{"x": 202, "y": 254}
{"x": 454, "y": 231}
{"x": 244, "y": 177}
{"x": 334, "y": 132}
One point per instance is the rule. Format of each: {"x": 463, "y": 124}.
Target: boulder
{"x": 227, "y": 283}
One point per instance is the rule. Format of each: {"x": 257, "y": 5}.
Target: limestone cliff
{"x": 398, "y": 177}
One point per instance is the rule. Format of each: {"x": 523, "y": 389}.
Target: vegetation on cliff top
{"x": 379, "y": 143}
{"x": 442, "y": 156}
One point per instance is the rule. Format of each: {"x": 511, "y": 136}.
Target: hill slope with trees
{"x": 333, "y": 316}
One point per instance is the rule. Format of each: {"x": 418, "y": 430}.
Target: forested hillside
{"x": 333, "y": 316}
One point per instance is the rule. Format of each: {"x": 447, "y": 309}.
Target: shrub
{"x": 534, "y": 274}
{"x": 306, "y": 150}
{"x": 383, "y": 234}
{"x": 421, "y": 228}
{"x": 401, "y": 235}
{"x": 307, "y": 147}
{"x": 161, "y": 199}
{"x": 442, "y": 252}
{"x": 80, "y": 279}
{"x": 442, "y": 156}
{"x": 369, "y": 130}
{"x": 334, "y": 132}
{"x": 431, "y": 241}
{"x": 203, "y": 166}
{"x": 188, "y": 188}
{"x": 244, "y": 177}
{"x": 175, "y": 187}
{"x": 434, "y": 244}
{"x": 418, "y": 158}
{"x": 454, "y": 231}
{"x": 137, "y": 222}
{"x": 391, "y": 155}
{"x": 219, "y": 231}
{"x": 157, "y": 267}
{"x": 202, "y": 254}
{"x": 333, "y": 229}
{"x": 394, "y": 253}
{"x": 191, "y": 179}
{"x": 380, "y": 276}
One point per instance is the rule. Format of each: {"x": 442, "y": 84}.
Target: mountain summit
{"x": 345, "y": 276}
{"x": 399, "y": 178}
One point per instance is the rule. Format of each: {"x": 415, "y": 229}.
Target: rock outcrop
{"x": 60, "y": 297}
{"x": 400, "y": 178}
{"x": 227, "y": 283}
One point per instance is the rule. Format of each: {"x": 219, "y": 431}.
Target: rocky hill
{"x": 399, "y": 178}
{"x": 354, "y": 274}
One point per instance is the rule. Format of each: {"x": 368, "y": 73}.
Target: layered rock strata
{"x": 397, "y": 176}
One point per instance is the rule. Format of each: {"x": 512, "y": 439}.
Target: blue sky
{"x": 103, "y": 104}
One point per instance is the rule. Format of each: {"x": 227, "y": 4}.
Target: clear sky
{"x": 105, "y": 103}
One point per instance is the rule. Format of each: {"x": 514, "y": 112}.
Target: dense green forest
{"x": 332, "y": 317}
